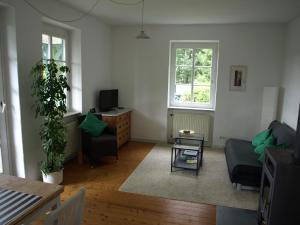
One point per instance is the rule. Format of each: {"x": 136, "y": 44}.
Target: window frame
{"x": 60, "y": 32}
{"x": 214, "y": 45}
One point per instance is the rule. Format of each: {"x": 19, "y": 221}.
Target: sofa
{"x": 242, "y": 162}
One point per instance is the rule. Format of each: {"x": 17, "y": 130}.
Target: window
{"x": 54, "y": 46}
{"x": 192, "y": 75}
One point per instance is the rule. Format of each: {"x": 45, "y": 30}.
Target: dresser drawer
{"x": 111, "y": 121}
{"x": 122, "y": 124}
{"x": 123, "y": 117}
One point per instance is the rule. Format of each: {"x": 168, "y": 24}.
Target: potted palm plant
{"x": 49, "y": 90}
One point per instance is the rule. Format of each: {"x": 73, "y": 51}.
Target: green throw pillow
{"x": 269, "y": 142}
{"x": 261, "y": 158}
{"x": 261, "y": 137}
{"x": 92, "y": 125}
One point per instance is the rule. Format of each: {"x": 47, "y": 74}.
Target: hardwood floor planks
{"x": 105, "y": 205}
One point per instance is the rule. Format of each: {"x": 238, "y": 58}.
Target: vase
{"x": 53, "y": 178}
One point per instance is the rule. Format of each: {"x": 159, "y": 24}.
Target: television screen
{"x": 108, "y": 99}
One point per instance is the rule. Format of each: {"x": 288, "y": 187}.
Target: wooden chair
{"x": 69, "y": 213}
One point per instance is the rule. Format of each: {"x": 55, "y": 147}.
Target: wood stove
{"x": 279, "y": 202}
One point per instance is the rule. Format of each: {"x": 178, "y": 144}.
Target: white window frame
{"x": 59, "y": 32}
{"x": 5, "y": 156}
{"x": 172, "y": 74}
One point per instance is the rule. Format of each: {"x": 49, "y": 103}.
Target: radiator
{"x": 199, "y": 123}
{"x": 73, "y": 139}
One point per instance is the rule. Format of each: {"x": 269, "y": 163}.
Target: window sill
{"x": 191, "y": 108}
{"x": 71, "y": 114}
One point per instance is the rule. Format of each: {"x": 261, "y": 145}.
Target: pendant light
{"x": 142, "y": 34}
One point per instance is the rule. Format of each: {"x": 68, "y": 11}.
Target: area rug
{"x": 212, "y": 185}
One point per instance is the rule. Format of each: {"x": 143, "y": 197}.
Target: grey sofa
{"x": 242, "y": 162}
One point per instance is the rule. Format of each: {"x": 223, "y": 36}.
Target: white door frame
{"x": 3, "y": 117}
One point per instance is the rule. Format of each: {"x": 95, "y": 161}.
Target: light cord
{"x": 143, "y": 3}
{"x": 126, "y": 4}
{"x": 87, "y": 13}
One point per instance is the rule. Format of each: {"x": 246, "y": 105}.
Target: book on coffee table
{"x": 190, "y": 152}
{"x": 191, "y": 161}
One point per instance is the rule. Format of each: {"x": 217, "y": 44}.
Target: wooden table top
{"x": 47, "y": 192}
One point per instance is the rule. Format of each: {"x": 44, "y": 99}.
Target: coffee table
{"x": 187, "y": 152}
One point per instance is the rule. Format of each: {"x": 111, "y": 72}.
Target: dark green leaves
{"x": 48, "y": 88}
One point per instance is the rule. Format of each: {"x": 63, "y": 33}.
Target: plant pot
{"x": 53, "y": 178}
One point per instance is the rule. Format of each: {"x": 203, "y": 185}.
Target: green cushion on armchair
{"x": 92, "y": 125}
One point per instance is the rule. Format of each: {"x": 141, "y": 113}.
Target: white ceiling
{"x": 193, "y": 11}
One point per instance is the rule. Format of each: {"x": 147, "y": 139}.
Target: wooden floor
{"x": 106, "y": 205}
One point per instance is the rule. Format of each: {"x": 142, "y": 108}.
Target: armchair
{"x": 97, "y": 147}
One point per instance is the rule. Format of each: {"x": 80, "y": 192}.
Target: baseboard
{"x": 218, "y": 146}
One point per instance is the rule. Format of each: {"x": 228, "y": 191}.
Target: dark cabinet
{"x": 279, "y": 202}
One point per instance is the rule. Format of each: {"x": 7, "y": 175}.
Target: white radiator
{"x": 199, "y": 123}
{"x": 73, "y": 139}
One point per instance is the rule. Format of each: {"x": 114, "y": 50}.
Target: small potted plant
{"x": 49, "y": 89}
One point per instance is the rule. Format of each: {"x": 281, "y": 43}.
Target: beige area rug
{"x": 212, "y": 185}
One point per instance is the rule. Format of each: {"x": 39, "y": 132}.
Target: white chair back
{"x": 69, "y": 213}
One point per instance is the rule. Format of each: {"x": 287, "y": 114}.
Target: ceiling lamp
{"x": 142, "y": 34}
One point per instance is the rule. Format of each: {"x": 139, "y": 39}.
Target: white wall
{"x": 140, "y": 72}
{"x": 291, "y": 75}
{"x": 11, "y": 91}
{"x": 96, "y": 65}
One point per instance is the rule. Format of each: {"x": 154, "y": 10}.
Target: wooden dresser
{"x": 120, "y": 119}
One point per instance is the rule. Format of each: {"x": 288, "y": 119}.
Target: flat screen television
{"x": 108, "y": 99}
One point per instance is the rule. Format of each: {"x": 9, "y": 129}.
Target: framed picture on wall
{"x": 238, "y": 75}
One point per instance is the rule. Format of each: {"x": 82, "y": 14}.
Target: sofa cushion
{"x": 242, "y": 163}
{"x": 103, "y": 138}
{"x": 283, "y": 134}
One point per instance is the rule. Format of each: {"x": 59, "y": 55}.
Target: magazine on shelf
{"x": 190, "y": 152}
{"x": 191, "y": 161}
{"x": 188, "y": 159}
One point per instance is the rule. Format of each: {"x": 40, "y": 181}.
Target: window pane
{"x": 184, "y": 75}
{"x": 201, "y": 94}
{"x": 184, "y": 56}
{"x": 46, "y": 46}
{"x": 59, "y": 64}
{"x": 202, "y": 75}
{"x": 58, "y": 49}
{"x": 203, "y": 57}
{"x": 183, "y": 93}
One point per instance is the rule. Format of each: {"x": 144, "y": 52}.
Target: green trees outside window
{"x": 193, "y": 75}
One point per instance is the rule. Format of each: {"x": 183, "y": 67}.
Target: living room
{"x": 105, "y": 54}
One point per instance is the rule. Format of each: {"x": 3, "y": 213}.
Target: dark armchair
{"x": 96, "y": 147}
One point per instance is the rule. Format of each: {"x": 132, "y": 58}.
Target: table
{"x": 187, "y": 152}
{"x": 49, "y": 197}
